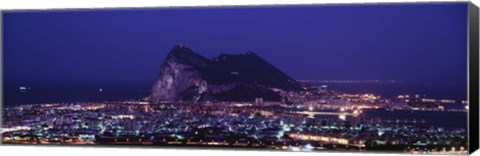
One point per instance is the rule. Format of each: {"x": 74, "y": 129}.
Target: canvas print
{"x": 356, "y": 77}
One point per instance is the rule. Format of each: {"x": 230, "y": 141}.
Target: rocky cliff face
{"x": 188, "y": 76}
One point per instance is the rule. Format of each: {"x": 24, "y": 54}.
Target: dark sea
{"x": 43, "y": 93}
{"x": 451, "y": 91}
{"x": 95, "y": 93}
{"x": 445, "y": 119}
{"x": 71, "y": 93}
{"x": 429, "y": 118}
{"x": 391, "y": 90}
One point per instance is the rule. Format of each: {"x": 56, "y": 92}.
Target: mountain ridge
{"x": 188, "y": 76}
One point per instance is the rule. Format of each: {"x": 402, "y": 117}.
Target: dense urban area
{"x": 316, "y": 119}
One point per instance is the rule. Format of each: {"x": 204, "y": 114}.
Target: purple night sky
{"x": 408, "y": 42}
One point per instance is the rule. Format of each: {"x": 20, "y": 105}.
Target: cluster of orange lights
{"x": 319, "y": 138}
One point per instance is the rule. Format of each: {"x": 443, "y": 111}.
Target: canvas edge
{"x": 473, "y": 76}
{"x": 1, "y": 74}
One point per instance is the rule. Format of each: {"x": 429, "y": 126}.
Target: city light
{"x": 336, "y": 120}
